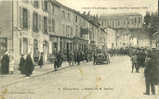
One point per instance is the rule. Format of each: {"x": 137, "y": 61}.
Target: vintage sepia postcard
{"x": 79, "y": 49}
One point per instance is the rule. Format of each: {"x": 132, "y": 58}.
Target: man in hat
{"x": 150, "y": 73}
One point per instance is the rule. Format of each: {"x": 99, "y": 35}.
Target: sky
{"x": 107, "y": 6}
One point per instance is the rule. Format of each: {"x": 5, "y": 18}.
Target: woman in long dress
{"x": 5, "y": 64}
{"x": 22, "y": 64}
{"x": 29, "y": 66}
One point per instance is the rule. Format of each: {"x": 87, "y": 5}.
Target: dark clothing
{"x": 22, "y": 65}
{"x": 79, "y": 57}
{"x": 149, "y": 75}
{"x": 5, "y": 64}
{"x": 41, "y": 61}
{"x": 75, "y": 57}
{"x": 141, "y": 59}
{"x": 29, "y": 67}
{"x": 134, "y": 62}
{"x": 149, "y": 84}
{"x": 58, "y": 61}
{"x": 94, "y": 58}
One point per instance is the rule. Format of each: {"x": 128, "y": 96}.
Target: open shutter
{"x": 29, "y": 20}
{"x": 42, "y": 24}
{"x": 21, "y": 17}
{"x": 42, "y": 3}
{"x": 48, "y": 25}
{"x": 39, "y": 22}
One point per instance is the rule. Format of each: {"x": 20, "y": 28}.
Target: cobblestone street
{"x": 87, "y": 81}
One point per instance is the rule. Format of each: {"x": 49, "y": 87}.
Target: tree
{"x": 151, "y": 23}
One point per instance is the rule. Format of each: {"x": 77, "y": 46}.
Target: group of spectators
{"x": 147, "y": 59}
{"x": 118, "y": 51}
{"x": 26, "y": 65}
{"x": 72, "y": 57}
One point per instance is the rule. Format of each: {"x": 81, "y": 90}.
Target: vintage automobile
{"x": 101, "y": 58}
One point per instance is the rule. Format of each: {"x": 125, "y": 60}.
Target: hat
{"x": 6, "y": 52}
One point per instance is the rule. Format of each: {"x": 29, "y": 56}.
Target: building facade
{"x": 44, "y": 26}
{"x": 129, "y": 29}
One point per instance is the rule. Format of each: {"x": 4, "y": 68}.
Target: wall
{"x": 6, "y": 21}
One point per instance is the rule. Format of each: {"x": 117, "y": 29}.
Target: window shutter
{"x": 42, "y": 23}
{"x": 33, "y": 21}
{"x": 20, "y": 46}
{"x": 42, "y": 2}
{"x": 48, "y": 25}
{"x": 21, "y": 17}
{"x": 29, "y": 20}
{"x": 39, "y": 22}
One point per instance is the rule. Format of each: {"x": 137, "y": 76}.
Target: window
{"x": 63, "y": 26}
{"x": 50, "y": 24}
{"x": 36, "y": 3}
{"x": 26, "y": 1}
{"x": 69, "y": 16}
{"x": 53, "y": 9}
{"x": 25, "y": 45}
{"x": 45, "y": 25}
{"x": 35, "y": 22}
{"x": 53, "y": 25}
{"x": 25, "y": 18}
{"x": 36, "y": 52}
{"x": 45, "y": 5}
{"x": 63, "y": 12}
{"x": 76, "y": 19}
{"x": 139, "y": 20}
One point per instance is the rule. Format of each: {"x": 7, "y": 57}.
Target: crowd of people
{"x": 26, "y": 63}
{"x": 72, "y": 57}
{"x": 140, "y": 58}
{"x": 147, "y": 59}
{"x": 119, "y": 51}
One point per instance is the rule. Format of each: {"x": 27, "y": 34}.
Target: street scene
{"x": 65, "y": 49}
{"x": 82, "y": 82}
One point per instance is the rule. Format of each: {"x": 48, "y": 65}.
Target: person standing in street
{"x": 79, "y": 57}
{"x": 134, "y": 62}
{"x": 149, "y": 75}
{"x": 29, "y": 66}
{"x": 86, "y": 56}
{"x": 5, "y": 63}
{"x": 138, "y": 61}
{"x": 58, "y": 60}
{"x": 41, "y": 63}
{"x": 75, "y": 57}
{"x": 22, "y": 64}
{"x": 69, "y": 58}
{"x": 94, "y": 57}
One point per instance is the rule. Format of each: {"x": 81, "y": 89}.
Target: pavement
{"x": 85, "y": 81}
{"x": 10, "y": 79}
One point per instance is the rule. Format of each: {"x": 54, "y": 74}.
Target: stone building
{"x": 44, "y": 26}
{"x": 27, "y": 27}
{"x": 128, "y": 27}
